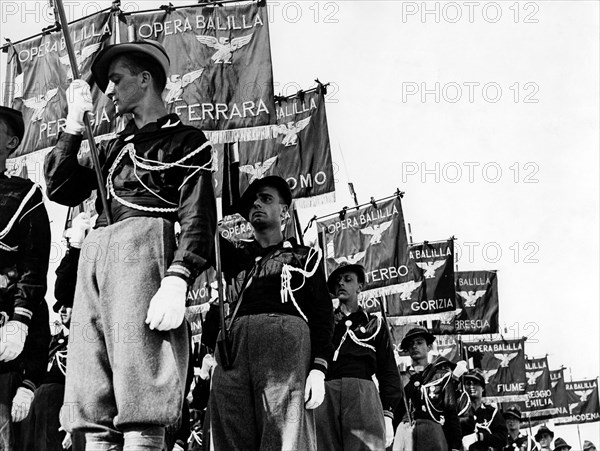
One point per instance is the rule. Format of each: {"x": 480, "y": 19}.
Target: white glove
{"x": 67, "y": 441}
{"x": 177, "y": 447}
{"x": 389, "y": 431}
{"x": 21, "y": 404}
{"x": 314, "y": 390}
{"x": 468, "y": 440}
{"x": 12, "y": 340}
{"x": 208, "y": 363}
{"x": 79, "y": 98}
{"x": 167, "y": 307}
{"x": 79, "y": 227}
{"x": 460, "y": 369}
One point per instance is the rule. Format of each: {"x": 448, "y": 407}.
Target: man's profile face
{"x": 267, "y": 210}
{"x": 124, "y": 88}
{"x": 347, "y": 286}
{"x": 7, "y": 143}
{"x": 418, "y": 348}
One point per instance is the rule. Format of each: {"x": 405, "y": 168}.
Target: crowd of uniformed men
{"x": 286, "y": 373}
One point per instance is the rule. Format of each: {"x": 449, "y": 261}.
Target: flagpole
{"x": 86, "y": 119}
{"x": 578, "y": 430}
{"x": 9, "y": 79}
{"x": 398, "y": 193}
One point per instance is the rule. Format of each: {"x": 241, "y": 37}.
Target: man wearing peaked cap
{"x": 431, "y": 398}
{"x": 517, "y": 441}
{"x": 588, "y": 446}
{"x": 157, "y": 172}
{"x": 276, "y": 348}
{"x": 544, "y": 437}
{"x": 355, "y": 414}
{"x": 24, "y": 255}
{"x": 483, "y": 426}
{"x": 561, "y": 445}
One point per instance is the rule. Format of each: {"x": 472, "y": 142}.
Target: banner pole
{"x": 86, "y": 119}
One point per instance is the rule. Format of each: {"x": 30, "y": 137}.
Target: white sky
{"x": 376, "y": 54}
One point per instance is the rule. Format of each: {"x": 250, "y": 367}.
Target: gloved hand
{"x": 314, "y": 390}
{"x": 167, "y": 307}
{"x": 468, "y": 440}
{"x": 79, "y": 227}
{"x": 79, "y": 98}
{"x": 177, "y": 447}
{"x": 21, "y": 404}
{"x": 67, "y": 441}
{"x": 389, "y": 431}
{"x": 460, "y": 369}
{"x": 208, "y": 363}
{"x": 12, "y": 340}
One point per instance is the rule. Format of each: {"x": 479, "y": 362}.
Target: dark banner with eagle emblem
{"x": 372, "y": 236}
{"x": 583, "y": 404}
{"x": 42, "y": 73}
{"x": 559, "y": 393}
{"x": 540, "y": 400}
{"x": 503, "y": 366}
{"x": 221, "y": 78}
{"x": 427, "y": 293}
{"x": 300, "y": 153}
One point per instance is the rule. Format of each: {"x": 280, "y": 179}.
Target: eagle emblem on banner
{"x": 506, "y": 358}
{"x": 80, "y": 56}
{"x": 430, "y": 267}
{"x": 376, "y": 231}
{"x": 291, "y": 130}
{"x": 39, "y": 104}
{"x": 532, "y": 376}
{"x": 176, "y": 83}
{"x": 225, "y": 48}
{"x": 258, "y": 169}
{"x": 471, "y": 297}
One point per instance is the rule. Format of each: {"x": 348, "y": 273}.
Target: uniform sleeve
{"x": 66, "y": 277}
{"x": 68, "y": 182}
{"x": 319, "y": 312}
{"x": 387, "y": 372}
{"x": 452, "y": 428}
{"x": 33, "y": 256}
{"x": 35, "y": 352}
{"x": 197, "y": 215}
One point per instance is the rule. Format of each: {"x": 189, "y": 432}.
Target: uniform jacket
{"x": 24, "y": 249}
{"x": 362, "y": 349}
{"x": 431, "y": 395}
{"x": 264, "y": 293}
{"x": 488, "y": 421}
{"x": 188, "y": 190}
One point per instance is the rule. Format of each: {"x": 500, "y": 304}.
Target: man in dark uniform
{"x": 355, "y": 414}
{"x": 280, "y": 335}
{"x": 517, "y": 441}
{"x": 430, "y": 396}
{"x": 128, "y": 356}
{"x": 24, "y": 255}
{"x": 483, "y": 425}
{"x": 42, "y": 430}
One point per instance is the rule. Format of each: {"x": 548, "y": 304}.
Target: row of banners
{"x": 221, "y": 81}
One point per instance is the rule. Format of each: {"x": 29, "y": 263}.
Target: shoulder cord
{"x": 287, "y": 292}
{"x": 155, "y": 166}
{"x": 12, "y": 221}
{"x": 428, "y": 404}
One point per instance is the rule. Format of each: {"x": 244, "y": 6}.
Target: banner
{"x": 373, "y": 236}
{"x": 43, "y": 73}
{"x": 201, "y": 293}
{"x": 540, "y": 400}
{"x": 476, "y": 302}
{"x": 584, "y": 406}
{"x": 559, "y": 393}
{"x": 503, "y": 365}
{"x": 221, "y": 78}
{"x": 300, "y": 153}
{"x": 428, "y": 292}
{"x": 447, "y": 346}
